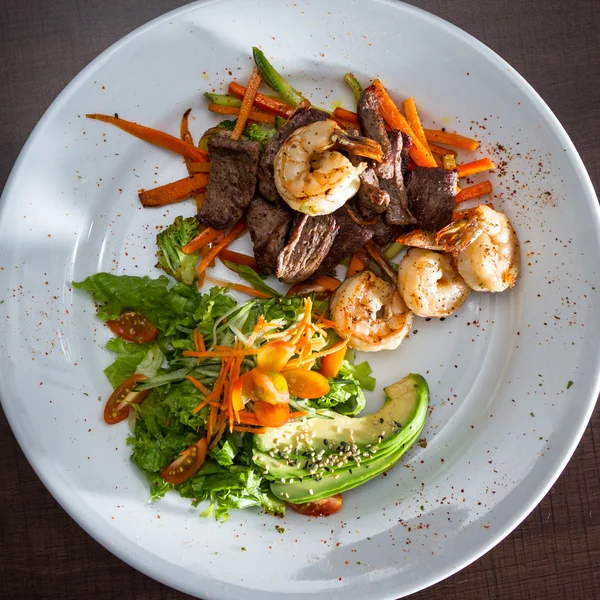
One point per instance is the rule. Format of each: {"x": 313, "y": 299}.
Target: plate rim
{"x": 103, "y": 537}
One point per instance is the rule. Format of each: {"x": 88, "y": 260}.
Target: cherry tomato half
{"x": 269, "y": 386}
{"x": 275, "y": 355}
{"x": 271, "y": 415}
{"x": 303, "y": 383}
{"x": 117, "y": 406}
{"x": 187, "y": 464}
{"x": 332, "y": 363}
{"x": 241, "y": 392}
{"x": 319, "y": 508}
{"x": 133, "y": 327}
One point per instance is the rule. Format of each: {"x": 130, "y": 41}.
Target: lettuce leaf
{"x": 345, "y": 395}
{"x": 252, "y": 277}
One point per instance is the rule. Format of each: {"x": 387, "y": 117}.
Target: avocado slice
{"x": 318, "y": 457}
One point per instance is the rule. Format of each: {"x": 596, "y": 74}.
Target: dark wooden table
{"x": 555, "y": 553}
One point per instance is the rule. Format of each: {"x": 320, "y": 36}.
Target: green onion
{"x": 354, "y": 85}
{"x": 274, "y": 80}
{"x": 223, "y": 99}
{"x": 392, "y": 250}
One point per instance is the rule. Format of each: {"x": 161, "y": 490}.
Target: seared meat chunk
{"x": 371, "y": 200}
{"x": 266, "y": 171}
{"x": 397, "y": 212}
{"x": 233, "y": 166}
{"x": 383, "y": 233}
{"x": 269, "y": 224}
{"x": 373, "y": 126}
{"x": 431, "y": 197}
{"x": 407, "y": 144}
{"x": 349, "y": 239}
{"x": 309, "y": 243}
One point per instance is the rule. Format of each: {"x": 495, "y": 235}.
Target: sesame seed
{"x": 311, "y": 492}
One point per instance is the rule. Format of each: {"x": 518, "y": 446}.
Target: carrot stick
{"x": 329, "y": 283}
{"x": 272, "y": 105}
{"x": 197, "y": 384}
{"x": 200, "y": 198}
{"x": 396, "y": 120}
{"x": 346, "y": 115}
{"x": 255, "y": 115}
{"x": 199, "y": 341}
{"x": 435, "y": 149}
{"x": 412, "y": 116}
{"x": 201, "y": 240}
{"x": 214, "y": 252}
{"x": 198, "y": 167}
{"x": 452, "y": 139}
{"x": 238, "y": 287}
{"x": 356, "y": 264}
{"x": 474, "y": 191}
{"x": 247, "y": 103}
{"x": 477, "y": 166}
{"x": 174, "y": 192}
{"x": 153, "y": 136}
{"x": 238, "y": 258}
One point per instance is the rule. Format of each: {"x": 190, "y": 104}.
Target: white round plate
{"x": 504, "y": 419}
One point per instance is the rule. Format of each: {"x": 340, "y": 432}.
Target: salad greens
{"x": 166, "y": 424}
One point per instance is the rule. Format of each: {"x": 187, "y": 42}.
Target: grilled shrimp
{"x": 430, "y": 284}
{"x": 484, "y": 245}
{"x": 486, "y": 249}
{"x": 312, "y": 177}
{"x": 370, "y": 312}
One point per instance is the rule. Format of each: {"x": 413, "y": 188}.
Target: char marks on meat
{"x": 309, "y": 243}
{"x": 350, "y": 237}
{"x": 431, "y": 196}
{"x": 383, "y": 233}
{"x": 233, "y": 167}
{"x": 269, "y": 224}
{"x": 266, "y": 168}
{"x": 373, "y": 126}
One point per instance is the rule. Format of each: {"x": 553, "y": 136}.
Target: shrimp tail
{"x": 458, "y": 236}
{"x": 420, "y": 239}
{"x": 357, "y": 144}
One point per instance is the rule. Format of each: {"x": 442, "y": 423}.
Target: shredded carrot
{"x": 474, "y": 191}
{"x": 218, "y": 435}
{"x": 247, "y": 418}
{"x": 200, "y": 406}
{"x": 303, "y": 323}
{"x": 329, "y": 283}
{"x": 321, "y": 320}
{"x": 260, "y": 323}
{"x": 238, "y": 258}
{"x": 294, "y": 364}
{"x": 197, "y": 384}
{"x": 174, "y": 192}
{"x": 435, "y": 149}
{"x": 412, "y": 116}
{"x": 201, "y": 240}
{"x": 249, "y": 429}
{"x": 272, "y": 105}
{"x": 228, "y": 353}
{"x": 238, "y": 287}
{"x": 298, "y": 413}
{"x": 199, "y": 341}
{"x": 214, "y": 252}
{"x": 254, "y": 115}
{"x": 356, "y": 264}
{"x": 154, "y": 136}
{"x": 396, "y": 120}
{"x": 452, "y": 139}
{"x": 346, "y": 116}
{"x": 247, "y": 103}
{"x": 477, "y": 166}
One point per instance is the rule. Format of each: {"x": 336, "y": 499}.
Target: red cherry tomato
{"x": 303, "y": 383}
{"x": 187, "y": 464}
{"x": 272, "y": 415}
{"x": 319, "y": 508}
{"x": 117, "y": 406}
{"x": 133, "y": 327}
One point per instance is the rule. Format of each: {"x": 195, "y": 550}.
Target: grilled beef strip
{"x": 233, "y": 166}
